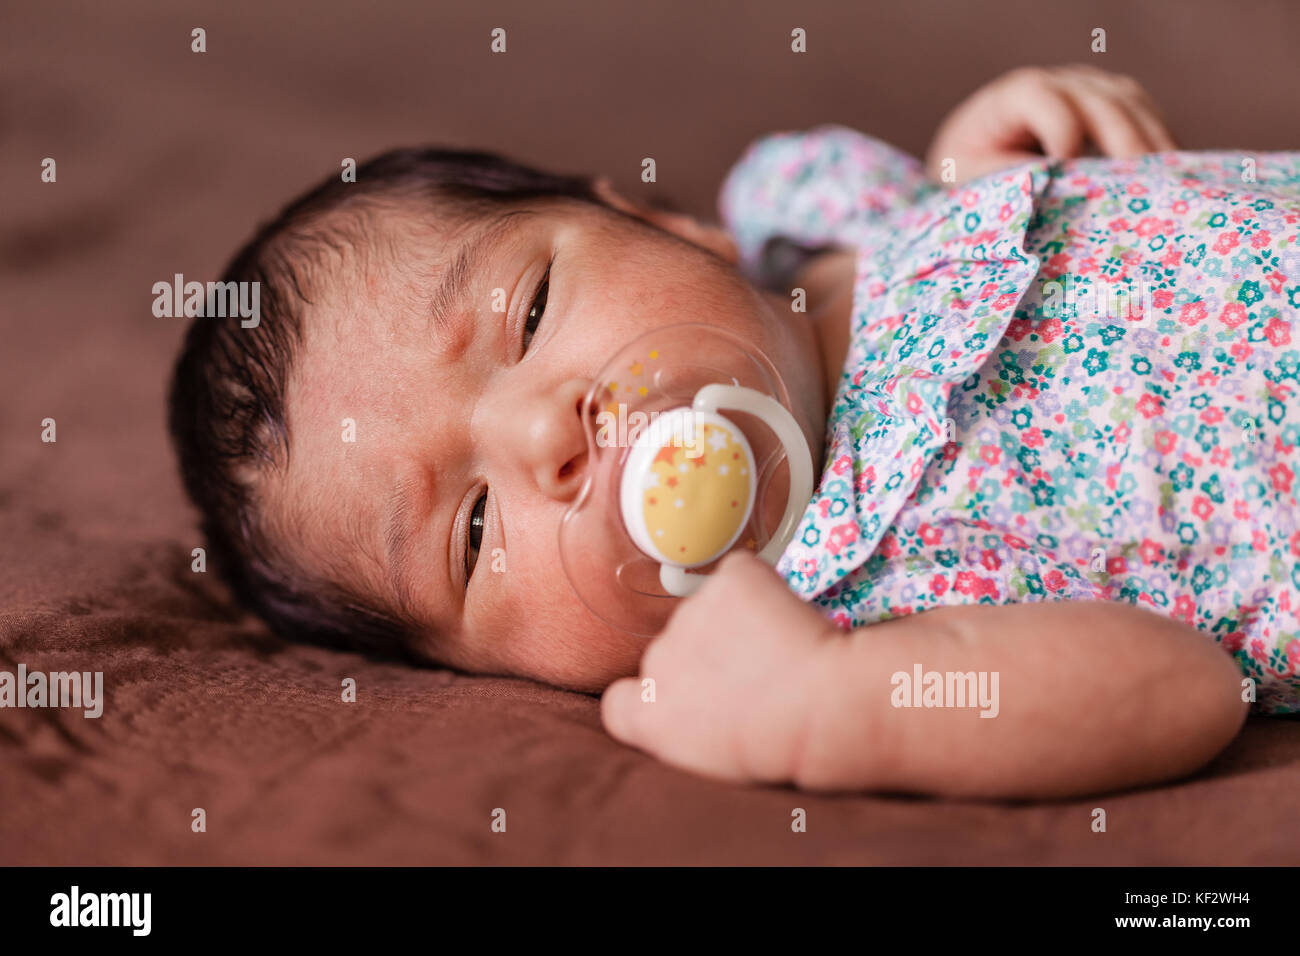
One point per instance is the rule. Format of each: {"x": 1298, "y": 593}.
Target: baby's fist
{"x": 727, "y": 689}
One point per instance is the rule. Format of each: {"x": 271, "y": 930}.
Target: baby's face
{"x": 469, "y": 439}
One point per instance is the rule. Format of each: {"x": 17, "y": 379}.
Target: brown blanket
{"x": 165, "y": 159}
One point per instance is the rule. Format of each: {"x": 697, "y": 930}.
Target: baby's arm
{"x": 1092, "y": 696}
{"x": 747, "y": 683}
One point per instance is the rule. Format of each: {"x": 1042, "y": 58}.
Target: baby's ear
{"x": 713, "y": 238}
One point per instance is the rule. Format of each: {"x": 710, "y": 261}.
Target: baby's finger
{"x": 621, "y": 711}
{"x": 1133, "y": 97}
{"x": 1046, "y": 114}
{"x": 1157, "y": 132}
{"x": 1109, "y": 124}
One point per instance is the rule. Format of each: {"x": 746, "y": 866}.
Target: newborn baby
{"x": 1091, "y": 512}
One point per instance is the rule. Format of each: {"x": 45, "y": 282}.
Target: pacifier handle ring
{"x": 772, "y": 413}
{"x": 681, "y": 583}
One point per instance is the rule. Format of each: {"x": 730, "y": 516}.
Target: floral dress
{"x": 1066, "y": 381}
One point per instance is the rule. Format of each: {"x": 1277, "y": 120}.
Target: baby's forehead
{"x": 398, "y": 245}
{"x": 326, "y": 503}
{"x": 378, "y": 235}
{"x": 365, "y": 264}
{"x": 370, "y": 343}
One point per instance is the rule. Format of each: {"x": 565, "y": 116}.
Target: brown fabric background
{"x": 165, "y": 161}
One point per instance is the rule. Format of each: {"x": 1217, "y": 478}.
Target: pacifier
{"x": 692, "y": 451}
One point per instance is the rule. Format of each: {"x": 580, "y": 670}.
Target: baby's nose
{"x": 552, "y": 441}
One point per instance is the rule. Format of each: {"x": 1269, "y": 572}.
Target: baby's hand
{"x": 1054, "y": 111}
{"x": 735, "y": 672}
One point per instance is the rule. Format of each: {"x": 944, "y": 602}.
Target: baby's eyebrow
{"x": 398, "y": 532}
{"x": 448, "y": 296}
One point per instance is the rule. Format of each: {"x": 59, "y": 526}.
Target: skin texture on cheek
{"x": 532, "y": 625}
{"x": 567, "y": 649}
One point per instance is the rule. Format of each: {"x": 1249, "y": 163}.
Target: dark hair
{"x": 227, "y": 401}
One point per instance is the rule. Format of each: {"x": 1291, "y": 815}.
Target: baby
{"x": 1081, "y": 520}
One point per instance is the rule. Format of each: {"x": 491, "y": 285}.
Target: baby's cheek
{"x": 528, "y": 623}
{"x": 552, "y": 637}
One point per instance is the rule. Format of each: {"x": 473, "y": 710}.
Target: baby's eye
{"x": 474, "y": 540}
{"x": 538, "y": 310}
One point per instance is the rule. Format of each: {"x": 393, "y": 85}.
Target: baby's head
{"x": 382, "y": 463}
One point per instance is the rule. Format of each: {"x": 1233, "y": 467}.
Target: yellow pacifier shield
{"x": 688, "y": 488}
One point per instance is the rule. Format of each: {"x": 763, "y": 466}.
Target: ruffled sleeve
{"x": 937, "y": 285}
{"x": 809, "y": 187}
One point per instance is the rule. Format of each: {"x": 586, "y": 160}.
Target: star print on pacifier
{"x": 688, "y": 488}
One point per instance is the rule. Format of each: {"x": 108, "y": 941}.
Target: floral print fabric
{"x": 1066, "y": 381}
